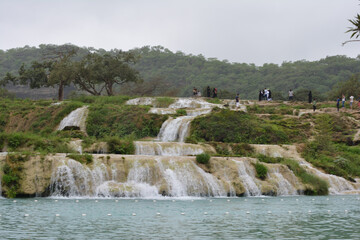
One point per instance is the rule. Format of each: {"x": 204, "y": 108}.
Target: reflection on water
{"x": 247, "y": 218}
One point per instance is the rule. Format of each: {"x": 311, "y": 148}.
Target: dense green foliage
{"x": 314, "y": 185}
{"x": 122, "y": 120}
{"x": 261, "y": 171}
{"x": 121, "y": 146}
{"x": 329, "y": 150}
{"x": 12, "y": 173}
{"x": 81, "y": 158}
{"x": 203, "y": 158}
{"x": 238, "y": 127}
{"x": 33, "y": 142}
{"x": 177, "y": 73}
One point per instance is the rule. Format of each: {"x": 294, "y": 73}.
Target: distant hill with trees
{"x": 175, "y": 73}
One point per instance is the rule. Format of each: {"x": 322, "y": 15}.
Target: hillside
{"x": 271, "y": 148}
{"x": 177, "y": 73}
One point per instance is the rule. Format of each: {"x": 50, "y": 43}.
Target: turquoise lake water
{"x": 298, "y": 217}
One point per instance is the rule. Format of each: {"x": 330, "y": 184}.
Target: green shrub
{"x": 71, "y": 134}
{"x": 242, "y": 149}
{"x": 121, "y": 146}
{"x": 238, "y": 127}
{"x": 214, "y": 100}
{"x": 82, "y": 158}
{"x": 261, "y": 171}
{"x": 14, "y": 157}
{"x": 113, "y": 120}
{"x": 203, "y": 158}
{"x": 181, "y": 112}
{"x": 10, "y": 180}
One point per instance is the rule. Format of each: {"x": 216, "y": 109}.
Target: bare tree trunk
{"x": 61, "y": 91}
{"x": 109, "y": 89}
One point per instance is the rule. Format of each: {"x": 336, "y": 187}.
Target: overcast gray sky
{"x": 250, "y": 31}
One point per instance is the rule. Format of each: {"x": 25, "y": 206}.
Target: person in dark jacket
{"x": 310, "y": 97}
{"x": 208, "y": 91}
{"x": 214, "y": 92}
{"x": 260, "y": 95}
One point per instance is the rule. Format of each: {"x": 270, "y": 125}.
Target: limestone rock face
{"x": 114, "y": 175}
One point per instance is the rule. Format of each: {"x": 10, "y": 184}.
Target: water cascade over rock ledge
{"x": 150, "y": 177}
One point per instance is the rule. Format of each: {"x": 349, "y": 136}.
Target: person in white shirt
{"x": 351, "y": 101}
{"x": 291, "y": 95}
{"x": 266, "y": 92}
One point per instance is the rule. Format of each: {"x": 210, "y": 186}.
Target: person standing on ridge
{"x": 266, "y": 94}
{"x": 208, "y": 91}
{"x": 310, "y": 97}
{"x": 260, "y": 95}
{"x": 269, "y": 95}
{"x": 343, "y": 100}
{"x": 314, "y": 104}
{"x": 351, "y": 101}
{"x": 338, "y": 103}
{"x": 194, "y": 92}
{"x": 237, "y": 100}
{"x": 291, "y": 95}
{"x": 214, "y": 93}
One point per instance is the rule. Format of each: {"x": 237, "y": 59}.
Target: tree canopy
{"x": 176, "y": 73}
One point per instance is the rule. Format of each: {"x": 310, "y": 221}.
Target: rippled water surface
{"x": 330, "y": 217}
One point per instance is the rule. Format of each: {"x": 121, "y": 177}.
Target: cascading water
{"x": 146, "y": 178}
{"x": 76, "y": 119}
{"x": 175, "y": 130}
{"x": 170, "y": 148}
{"x": 247, "y": 176}
{"x": 284, "y": 187}
{"x": 162, "y": 168}
{"x": 337, "y": 185}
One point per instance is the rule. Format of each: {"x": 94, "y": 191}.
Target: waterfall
{"x": 193, "y": 103}
{"x": 162, "y": 111}
{"x": 337, "y": 185}
{"x": 146, "y": 178}
{"x": 284, "y": 187}
{"x": 141, "y": 101}
{"x": 198, "y": 111}
{"x": 247, "y": 176}
{"x": 171, "y": 148}
{"x": 175, "y": 130}
{"x": 76, "y": 119}
{"x": 76, "y": 145}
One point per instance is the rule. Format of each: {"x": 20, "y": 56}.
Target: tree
{"x": 97, "y": 72}
{"x": 351, "y": 87}
{"x": 55, "y": 69}
{"x": 355, "y": 29}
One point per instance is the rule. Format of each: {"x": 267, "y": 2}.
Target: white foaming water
{"x": 162, "y": 111}
{"x": 76, "y": 118}
{"x": 284, "y": 187}
{"x": 337, "y": 185}
{"x": 175, "y": 130}
{"x": 198, "y": 111}
{"x": 169, "y": 148}
{"x": 147, "y": 179}
{"x": 141, "y": 101}
{"x": 76, "y": 145}
{"x": 247, "y": 176}
{"x": 193, "y": 103}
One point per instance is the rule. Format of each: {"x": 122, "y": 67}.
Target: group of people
{"x": 265, "y": 94}
{"x": 343, "y": 100}
{"x": 197, "y": 92}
